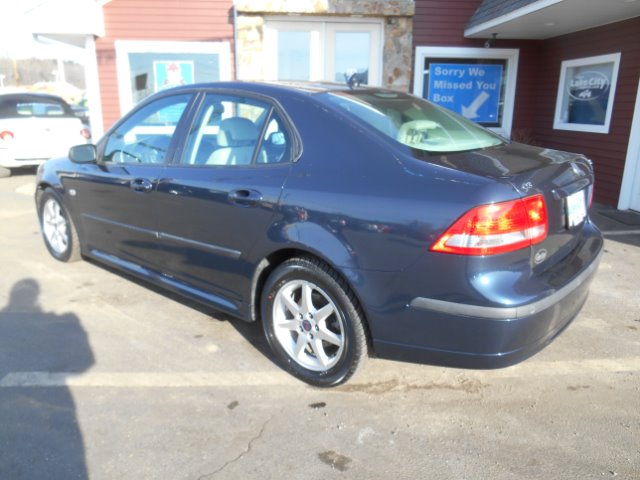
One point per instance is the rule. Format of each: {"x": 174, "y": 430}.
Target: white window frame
{"x": 558, "y": 124}
{"x": 632, "y": 163}
{"x": 125, "y": 47}
{"x": 509, "y": 55}
{"x": 321, "y": 45}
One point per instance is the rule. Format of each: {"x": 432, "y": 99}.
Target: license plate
{"x": 576, "y": 209}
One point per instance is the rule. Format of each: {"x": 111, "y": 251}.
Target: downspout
{"x": 235, "y": 42}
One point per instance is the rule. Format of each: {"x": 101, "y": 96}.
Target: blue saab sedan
{"x": 349, "y": 221}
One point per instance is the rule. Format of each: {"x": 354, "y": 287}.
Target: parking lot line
{"x": 279, "y": 378}
{"x": 14, "y": 214}
{"x": 147, "y": 379}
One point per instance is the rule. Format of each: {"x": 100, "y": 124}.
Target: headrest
{"x": 237, "y": 132}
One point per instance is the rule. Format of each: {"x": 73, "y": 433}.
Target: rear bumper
{"x": 8, "y": 161}
{"x": 470, "y": 336}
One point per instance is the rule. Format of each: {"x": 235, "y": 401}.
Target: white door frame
{"x": 321, "y": 28}
{"x": 631, "y": 175}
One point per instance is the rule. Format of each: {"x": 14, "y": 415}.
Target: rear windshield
{"x": 33, "y": 107}
{"x": 414, "y": 121}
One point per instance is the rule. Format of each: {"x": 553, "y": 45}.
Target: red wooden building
{"x": 150, "y": 45}
{"x": 570, "y": 75}
{"x": 562, "y": 74}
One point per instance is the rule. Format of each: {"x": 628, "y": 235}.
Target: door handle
{"x": 141, "y": 185}
{"x": 245, "y": 197}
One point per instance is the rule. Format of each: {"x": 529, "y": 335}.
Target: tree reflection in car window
{"x": 144, "y": 138}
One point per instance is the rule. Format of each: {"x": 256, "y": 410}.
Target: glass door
{"x": 353, "y": 53}
{"x": 324, "y": 51}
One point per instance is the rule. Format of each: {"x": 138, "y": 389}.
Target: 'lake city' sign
{"x": 471, "y": 90}
{"x": 585, "y": 86}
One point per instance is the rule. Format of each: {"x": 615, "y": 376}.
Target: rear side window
{"x": 232, "y": 130}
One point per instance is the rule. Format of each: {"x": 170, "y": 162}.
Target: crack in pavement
{"x": 242, "y": 454}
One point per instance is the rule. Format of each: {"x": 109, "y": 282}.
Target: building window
{"x": 477, "y": 83}
{"x": 146, "y": 67}
{"x": 335, "y": 51}
{"x": 585, "y": 94}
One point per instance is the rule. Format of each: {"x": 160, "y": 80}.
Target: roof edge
{"x": 520, "y": 12}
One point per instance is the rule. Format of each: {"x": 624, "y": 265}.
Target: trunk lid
{"x": 565, "y": 179}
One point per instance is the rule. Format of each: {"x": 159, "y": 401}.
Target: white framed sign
{"x": 586, "y": 92}
{"x": 478, "y": 83}
{"x": 144, "y": 67}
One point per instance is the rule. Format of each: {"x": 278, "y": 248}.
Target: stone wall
{"x": 378, "y": 8}
{"x": 397, "y": 17}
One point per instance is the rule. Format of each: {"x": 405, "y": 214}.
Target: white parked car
{"x": 35, "y": 127}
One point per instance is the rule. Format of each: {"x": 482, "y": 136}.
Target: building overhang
{"x": 543, "y": 19}
{"x": 65, "y": 18}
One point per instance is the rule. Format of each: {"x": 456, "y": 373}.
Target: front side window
{"x": 414, "y": 122}
{"x": 233, "y": 131}
{"x": 144, "y": 138}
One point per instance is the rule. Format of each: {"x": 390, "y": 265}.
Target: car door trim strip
{"x": 225, "y": 252}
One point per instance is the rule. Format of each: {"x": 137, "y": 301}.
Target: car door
{"x": 115, "y": 197}
{"x": 218, "y": 198}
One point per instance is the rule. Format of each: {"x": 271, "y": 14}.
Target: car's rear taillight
{"x": 6, "y": 135}
{"x": 496, "y": 228}
{"x": 85, "y": 133}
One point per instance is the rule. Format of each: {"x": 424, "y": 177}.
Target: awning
{"x": 64, "y": 17}
{"x": 541, "y": 19}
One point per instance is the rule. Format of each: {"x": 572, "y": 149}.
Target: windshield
{"x": 414, "y": 121}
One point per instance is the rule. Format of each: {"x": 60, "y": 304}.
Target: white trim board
{"x": 632, "y": 162}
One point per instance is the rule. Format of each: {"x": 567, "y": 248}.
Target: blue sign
{"x": 471, "y": 90}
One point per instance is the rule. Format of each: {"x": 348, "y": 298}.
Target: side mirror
{"x": 83, "y": 153}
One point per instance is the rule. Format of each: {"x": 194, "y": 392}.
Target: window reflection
{"x": 294, "y": 53}
{"x": 352, "y": 57}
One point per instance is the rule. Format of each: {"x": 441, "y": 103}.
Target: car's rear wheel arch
{"x": 313, "y": 321}
{"x": 277, "y": 258}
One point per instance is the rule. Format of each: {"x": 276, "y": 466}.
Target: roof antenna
{"x": 353, "y": 80}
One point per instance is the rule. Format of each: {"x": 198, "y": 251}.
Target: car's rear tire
{"x": 5, "y": 172}
{"x": 59, "y": 232}
{"x": 313, "y": 322}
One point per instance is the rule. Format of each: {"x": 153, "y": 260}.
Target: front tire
{"x": 59, "y": 233}
{"x": 313, "y": 323}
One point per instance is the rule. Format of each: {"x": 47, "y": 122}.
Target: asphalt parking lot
{"x": 102, "y": 377}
